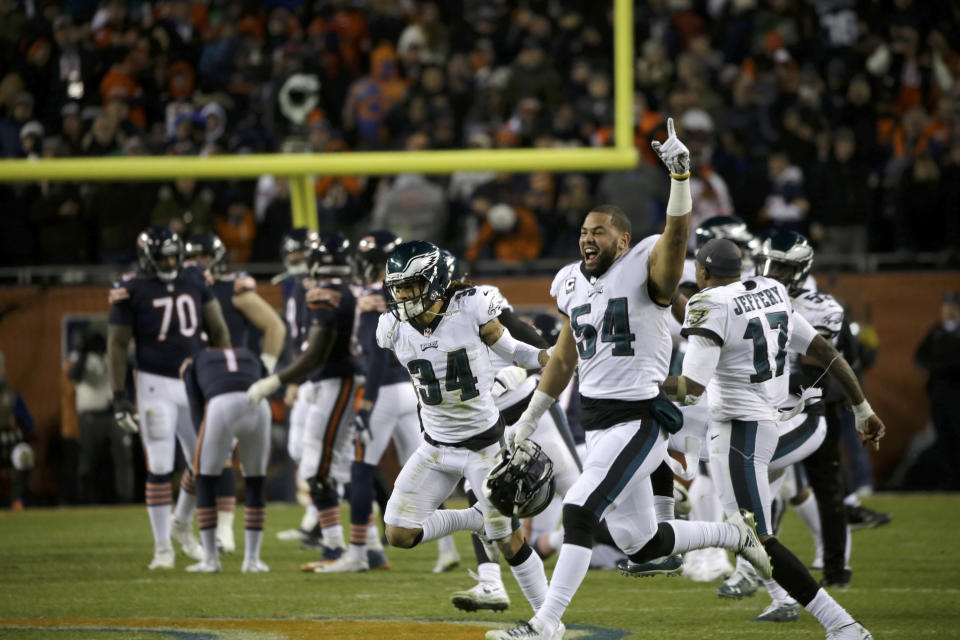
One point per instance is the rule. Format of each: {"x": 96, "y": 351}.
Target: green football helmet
{"x": 419, "y": 267}
{"x": 785, "y": 256}
{"x": 731, "y": 228}
{"x": 455, "y": 267}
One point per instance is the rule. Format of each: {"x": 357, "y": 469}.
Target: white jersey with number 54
{"x": 755, "y": 324}
{"x": 622, "y": 338}
{"x": 449, "y": 364}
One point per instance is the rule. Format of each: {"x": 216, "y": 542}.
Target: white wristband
{"x": 680, "y": 202}
{"x": 540, "y": 403}
{"x": 862, "y": 411}
{"x": 269, "y": 361}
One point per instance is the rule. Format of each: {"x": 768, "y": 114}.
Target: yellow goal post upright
{"x": 301, "y": 168}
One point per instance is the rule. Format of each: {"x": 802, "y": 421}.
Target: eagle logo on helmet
{"x": 522, "y": 484}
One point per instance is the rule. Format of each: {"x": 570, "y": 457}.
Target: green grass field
{"x": 91, "y": 564}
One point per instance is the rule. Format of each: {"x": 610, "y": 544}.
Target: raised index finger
{"x": 671, "y": 132}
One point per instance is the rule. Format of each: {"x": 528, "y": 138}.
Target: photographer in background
{"x": 16, "y": 455}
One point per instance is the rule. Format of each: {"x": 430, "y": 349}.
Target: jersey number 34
{"x": 459, "y": 376}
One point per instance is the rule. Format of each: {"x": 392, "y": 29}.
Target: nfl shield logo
{"x": 427, "y": 332}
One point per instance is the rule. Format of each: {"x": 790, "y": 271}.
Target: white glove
{"x": 522, "y": 430}
{"x": 262, "y": 388}
{"x": 673, "y": 153}
{"x": 508, "y": 379}
{"x": 124, "y": 413}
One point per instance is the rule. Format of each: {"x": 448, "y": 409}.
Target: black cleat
{"x": 860, "y": 517}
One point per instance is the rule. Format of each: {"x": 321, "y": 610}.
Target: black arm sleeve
{"x": 375, "y": 357}
{"x": 521, "y": 330}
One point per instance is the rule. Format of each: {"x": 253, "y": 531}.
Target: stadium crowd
{"x": 838, "y": 118}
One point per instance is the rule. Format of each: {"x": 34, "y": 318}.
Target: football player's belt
{"x": 603, "y": 414}
{"x": 493, "y": 435}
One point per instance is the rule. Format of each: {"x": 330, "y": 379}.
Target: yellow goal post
{"x": 301, "y": 167}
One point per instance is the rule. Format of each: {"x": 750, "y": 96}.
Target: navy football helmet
{"x": 416, "y": 265}
{"x": 455, "y": 267}
{"x": 208, "y": 244}
{"x": 372, "y": 253}
{"x": 330, "y": 256}
{"x": 294, "y": 248}
{"x": 548, "y": 326}
{"x": 522, "y": 484}
{"x": 155, "y": 245}
{"x": 786, "y": 256}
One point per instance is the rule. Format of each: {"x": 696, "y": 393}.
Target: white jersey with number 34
{"x": 449, "y": 364}
{"x": 755, "y": 324}
{"x": 622, "y": 338}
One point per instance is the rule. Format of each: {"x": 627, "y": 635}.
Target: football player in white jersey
{"x": 739, "y": 334}
{"x": 615, "y": 334}
{"x": 513, "y": 387}
{"x": 441, "y": 334}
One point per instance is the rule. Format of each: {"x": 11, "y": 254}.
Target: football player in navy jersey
{"x": 294, "y": 281}
{"x": 216, "y": 381}
{"x": 249, "y": 317}
{"x": 166, "y": 308}
{"x": 327, "y": 438}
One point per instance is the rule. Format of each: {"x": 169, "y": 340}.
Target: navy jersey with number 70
{"x": 166, "y": 318}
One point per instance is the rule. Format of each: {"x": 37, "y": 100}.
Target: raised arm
{"x": 666, "y": 258}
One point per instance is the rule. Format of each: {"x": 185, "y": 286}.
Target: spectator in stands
{"x": 510, "y": 232}
{"x": 709, "y": 190}
{"x": 939, "y": 354}
{"x": 103, "y": 445}
{"x": 786, "y": 206}
{"x": 185, "y": 207}
{"x": 20, "y": 110}
{"x": 840, "y": 199}
{"x": 16, "y": 432}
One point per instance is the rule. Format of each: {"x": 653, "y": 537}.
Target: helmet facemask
{"x": 415, "y": 294}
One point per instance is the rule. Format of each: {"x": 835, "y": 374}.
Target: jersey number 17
{"x": 761, "y": 359}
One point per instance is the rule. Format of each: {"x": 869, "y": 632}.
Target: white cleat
{"x": 344, "y": 564}
{"x": 293, "y": 534}
{"x": 855, "y": 631}
{"x": 254, "y": 566}
{"x": 750, "y": 546}
{"x": 533, "y": 630}
{"x": 225, "y": 540}
{"x": 162, "y": 559}
{"x": 484, "y": 595}
{"x": 817, "y": 564}
{"x": 447, "y": 561}
{"x": 182, "y": 532}
{"x": 205, "y": 567}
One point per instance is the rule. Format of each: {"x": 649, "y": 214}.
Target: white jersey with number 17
{"x": 622, "y": 338}
{"x": 755, "y": 324}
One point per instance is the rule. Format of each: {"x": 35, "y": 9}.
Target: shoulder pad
{"x": 321, "y": 297}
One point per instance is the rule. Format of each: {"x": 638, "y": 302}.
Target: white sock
{"x": 704, "y": 503}
{"x": 571, "y": 569}
{"x": 555, "y": 539}
{"x": 251, "y": 546}
{"x": 358, "y": 552}
{"x": 691, "y": 535}
{"x": 209, "y": 539}
{"x": 810, "y": 516}
{"x": 186, "y": 507}
{"x": 443, "y": 522}
{"x": 309, "y": 519}
{"x": 777, "y": 593}
{"x": 663, "y": 506}
{"x": 852, "y": 500}
{"x": 446, "y": 544}
{"x": 743, "y": 565}
{"x": 373, "y": 535}
{"x": 489, "y": 572}
{"x": 225, "y": 520}
{"x": 532, "y": 579}
{"x": 160, "y": 523}
{"x": 830, "y": 614}
{"x": 333, "y": 536}
{"x": 846, "y": 551}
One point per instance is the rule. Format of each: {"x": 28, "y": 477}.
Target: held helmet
{"x": 154, "y": 244}
{"x": 522, "y": 484}
{"x": 294, "y": 248}
{"x": 786, "y": 256}
{"x": 330, "y": 256}
{"x": 416, "y": 266}
{"x": 372, "y": 253}
{"x": 208, "y": 244}
{"x": 731, "y": 228}
{"x": 455, "y": 267}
